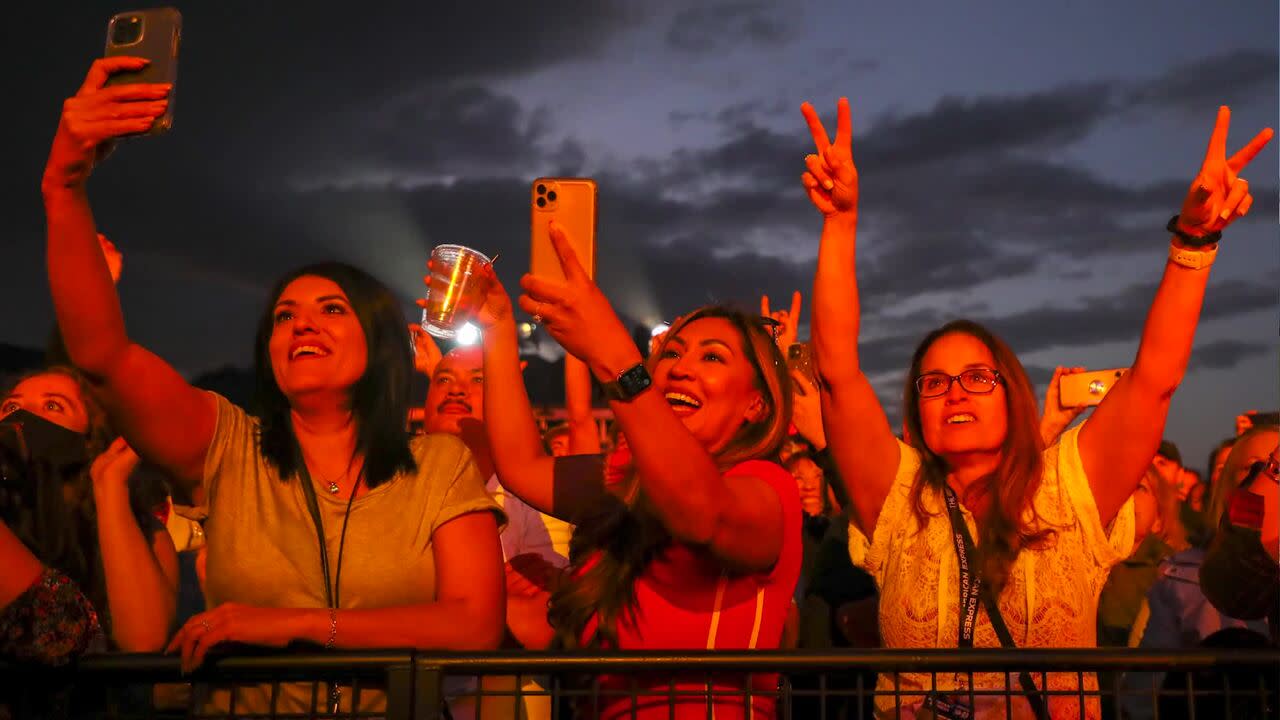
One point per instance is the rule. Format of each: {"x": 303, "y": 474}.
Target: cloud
{"x": 1225, "y": 354}
{"x": 1199, "y": 86}
{"x": 723, "y": 25}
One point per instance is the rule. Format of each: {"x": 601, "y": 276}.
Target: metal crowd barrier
{"x": 1203, "y": 683}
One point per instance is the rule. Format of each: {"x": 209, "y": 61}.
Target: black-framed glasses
{"x": 978, "y": 381}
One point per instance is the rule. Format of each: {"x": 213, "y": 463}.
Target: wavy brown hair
{"x": 613, "y": 545}
{"x": 1002, "y": 529}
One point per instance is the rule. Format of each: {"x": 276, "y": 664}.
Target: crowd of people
{"x": 740, "y": 502}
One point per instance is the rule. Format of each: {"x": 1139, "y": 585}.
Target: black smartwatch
{"x": 630, "y": 383}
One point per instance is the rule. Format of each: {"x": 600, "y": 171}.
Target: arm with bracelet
{"x": 1119, "y": 440}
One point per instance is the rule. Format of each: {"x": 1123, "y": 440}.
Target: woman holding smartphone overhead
{"x": 1044, "y": 526}
{"x": 308, "y": 535}
{"x": 693, "y": 541}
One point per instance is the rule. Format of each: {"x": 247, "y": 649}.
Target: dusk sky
{"x": 1018, "y": 163}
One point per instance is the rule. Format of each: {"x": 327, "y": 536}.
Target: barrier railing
{"x": 1201, "y": 683}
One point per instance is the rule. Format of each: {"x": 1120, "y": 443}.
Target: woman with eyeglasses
{"x": 1044, "y": 525}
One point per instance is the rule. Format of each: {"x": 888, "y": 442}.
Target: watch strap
{"x": 1195, "y": 258}
{"x": 1191, "y": 240}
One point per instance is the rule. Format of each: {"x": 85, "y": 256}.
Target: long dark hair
{"x": 379, "y": 399}
{"x": 612, "y": 546}
{"x": 59, "y": 524}
{"x": 1002, "y": 530}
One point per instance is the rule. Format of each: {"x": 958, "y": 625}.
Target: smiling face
{"x": 317, "y": 343}
{"x": 457, "y": 391}
{"x": 52, "y": 396}
{"x": 707, "y": 377}
{"x": 809, "y": 482}
{"x": 959, "y": 421}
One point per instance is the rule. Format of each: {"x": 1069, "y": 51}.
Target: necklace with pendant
{"x": 333, "y": 488}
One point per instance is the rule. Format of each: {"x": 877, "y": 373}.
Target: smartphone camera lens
{"x": 542, "y": 189}
{"x": 126, "y": 30}
{"x": 542, "y": 202}
{"x": 551, "y": 196}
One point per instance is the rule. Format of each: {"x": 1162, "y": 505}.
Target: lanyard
{"x": 331, "y": 591}
{"x": 972, "y": 591}
{"x": 970, "y": 581}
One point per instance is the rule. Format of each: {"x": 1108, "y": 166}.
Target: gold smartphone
{"x": 1087, "y": 388}
{"x": 571, "y": 202}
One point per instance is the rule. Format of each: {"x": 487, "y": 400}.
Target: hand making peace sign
{"x": 832, "y": 179}
{"x": 1218, "y": 195}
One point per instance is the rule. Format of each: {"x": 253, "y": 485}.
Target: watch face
{"x": 635, "y": 380}
{"x": 629, "y": 384}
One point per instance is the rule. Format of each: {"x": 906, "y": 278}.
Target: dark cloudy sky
{"x": 1018, "y": 163}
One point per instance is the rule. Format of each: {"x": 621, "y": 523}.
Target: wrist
{"x": 312, "y": 625}
{"x": 847, "y": 220}
{"x": 110, "y": 491}
{"x": 613, "y": 363}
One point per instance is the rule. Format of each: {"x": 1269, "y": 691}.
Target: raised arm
{"x": 740, "y": 522}
{"x": 857, "y": 431}
{"x": 141, "y": 571}
{"x": 167, "y": 420}
{"x": 584, "y": 436}
{"x": 1118, "y": 442}
{"x": 523, "y": 465}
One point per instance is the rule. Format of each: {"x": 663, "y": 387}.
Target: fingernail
{"x": 828, "y": 184}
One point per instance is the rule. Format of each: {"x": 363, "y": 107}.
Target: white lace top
{"x": 1050, "y": 599}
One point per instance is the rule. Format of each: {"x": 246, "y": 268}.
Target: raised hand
{"x": 788, "y": 321}
{"x": 1218, "y": 195}
{"x": 1056, "y": 417}
{"x": 577, "y": 314}
{"x": 96, "y": 115}
{"x": 114, "y": 466}
{"x": 806, "y": 410}
{"x": 831, "y": 178}
{"x": 426, "y": 354}
{"x": 495, "y": 304}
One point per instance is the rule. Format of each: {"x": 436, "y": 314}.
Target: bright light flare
{"x": 468, "y": 334}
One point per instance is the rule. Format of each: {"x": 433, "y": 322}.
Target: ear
{"x": 757, "y": 409}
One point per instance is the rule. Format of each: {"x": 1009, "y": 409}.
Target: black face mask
{"x": 1238, "y": 576}
{"x": 28, "y": 440}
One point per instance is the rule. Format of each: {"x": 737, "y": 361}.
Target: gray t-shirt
{"x": 262, "y": 547}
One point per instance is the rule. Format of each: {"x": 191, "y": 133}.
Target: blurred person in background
{"x": 1179, "y": 615}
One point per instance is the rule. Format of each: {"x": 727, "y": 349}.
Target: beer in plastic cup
{"x": 455, "y": 289}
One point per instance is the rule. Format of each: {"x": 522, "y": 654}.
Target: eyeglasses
{"x": 978, "y": 381}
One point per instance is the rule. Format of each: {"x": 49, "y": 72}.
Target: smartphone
{"x": 800, "y": 357}
{"x": 572, "y": 203}
{"x": 1087, "y": 388}
{"x": 1264, "y": 418}
{"x": 153, "y": 34}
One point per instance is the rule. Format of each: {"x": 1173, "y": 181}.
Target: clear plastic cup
{"x": 455, "y": 289}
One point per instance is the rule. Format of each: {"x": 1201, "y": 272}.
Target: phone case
{"x": 1087, "y": 388}
{"x": 572, "y": 203}
{"x": 160, "y": 36}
